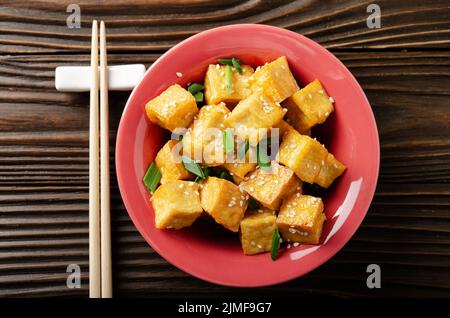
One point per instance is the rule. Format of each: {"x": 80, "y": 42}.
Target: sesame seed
{"x": 331, "y": 99}
{"x": 321, "y": 91}
{"x": 179, "y": 74}
{"x": 289, "y": 246}
{"x": 309, "y": 96}
{"x": 186, "y": 192}
{"x": 260, "y": 211}
{"x": 217, "y": 66}
{"x": 259, "y": 246}
{"x": 252, "y": 243}
{"x": 296, "y": 244}
{"x": 251, "y": 189}
{"x": 181, "y": 186}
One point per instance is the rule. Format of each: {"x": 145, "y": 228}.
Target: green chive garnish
{"x": 253, "y": 204}
{"x": 152, "y": 177}
{"x": 225, "y": 175}
{"x": 237, "y": 65}
{"x": 228, "y": 76}
{"x": 263, "y": 160}
{"x": 228, "y": 140}
{"x": 229, "y": 61}
{"x": 198, "y": 97}
{"x": 193, "y": 167}
{"x": 195, "y": 88}
{"x": 242, "y": 151}
{"x": 275, "y": 244}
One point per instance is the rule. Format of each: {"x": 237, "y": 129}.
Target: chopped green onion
{"x": 229, "y": 61}
{"x": 253, "y": 204}
{"x": 275, "y": 244}
{"x": 225, "y": 175}
{"x": 237, "y": 65}
{"x": 228, "y": 141}
{"x": 152, "y": 177}
{"x": 198, "y": 97}
{"x": 193, "y": 167}
{"x": 263, "y": 160}
{"x": 242, "y": 151}
{"x": 228, "y": 76}
{"x": 195, "y": 88}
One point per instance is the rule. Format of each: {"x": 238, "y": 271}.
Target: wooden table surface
{"x": 404, "y": 68}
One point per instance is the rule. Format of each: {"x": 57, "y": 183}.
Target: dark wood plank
{"x": 40, "y": 27}
{"x": 44, "y": 187}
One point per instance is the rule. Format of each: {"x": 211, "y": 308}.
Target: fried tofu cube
{"x": 275, "y": 80}
{"x": 301, "y": 219}
{"x": 168, "y": 162}
{"x": 173, "y": 108}
{"x": 308, "y": 107}
{"x": 176, "y": 204}
{"x": 215, "y": 84}
{"x": 241, "y": 167}
{"x": 331, "y": 169}
{"x": 257, "y": 230}
{"x": 224, "y": 201}
{"x": 204, "y": 138}
{"x": 253, "y": 116}
{"x": 303, "y": 154}
{"x": 270, "y": 187}
{"x": 283, "y": 127}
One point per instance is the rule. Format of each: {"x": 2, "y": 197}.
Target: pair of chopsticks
{"x": 100, "y": 271}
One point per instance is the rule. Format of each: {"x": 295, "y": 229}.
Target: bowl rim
{"x": 233, "y": 28}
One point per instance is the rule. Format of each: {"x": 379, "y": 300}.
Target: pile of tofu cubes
{"x": 266, "y": 98}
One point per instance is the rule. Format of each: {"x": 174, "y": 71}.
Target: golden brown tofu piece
{"x": 275, "y": 80}
{"x": 257, "y": 230}
{"x": 253, "y": 116}
{"x": 303, "y": 154}
{"x": 176, "y": 204}
{"x": 215, "y": 84}
{"x": 330, "y": 171}
{"x": 204, "y": 139}
{"x": 308, "y": 107}
{"x": 301, "y": 219}
{"x": 224, "y": 201}
{"x": 241, "y": 167}
{"x": 283, "y": 127}
{"x": 270, "y": 187}
{"x": 168, "y": 162}
{"x": 173, "y": 108}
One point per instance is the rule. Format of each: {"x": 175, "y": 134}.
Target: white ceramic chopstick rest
{"x": 78, "y": 78}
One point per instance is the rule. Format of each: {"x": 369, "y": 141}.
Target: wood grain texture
{"x": 404, "y": 68}
{"x": 40, "y": 26}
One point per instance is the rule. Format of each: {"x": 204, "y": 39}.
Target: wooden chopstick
{"x": 105, "y": 214}
{"x": 94, "y": 221}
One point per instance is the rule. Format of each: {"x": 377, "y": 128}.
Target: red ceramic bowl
{"x": 205, "y": 250}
